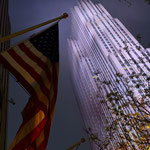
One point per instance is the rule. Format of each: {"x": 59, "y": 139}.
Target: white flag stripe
{"x": 28, "y": 127}
{"x": 38, "y": 54}
{"x": 40, "y": 139}
{"x": 34, "y": 65}
{"x": 35, "y": 51}
{"x": 27, "y": 77}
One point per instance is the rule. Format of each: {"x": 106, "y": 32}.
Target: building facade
{"x": 105, "y": 59}
{"x": 4, "y": 30}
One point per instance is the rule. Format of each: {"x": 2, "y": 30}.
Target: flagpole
{"x": 65, "y": 15}
{"x": 77, "y": 144}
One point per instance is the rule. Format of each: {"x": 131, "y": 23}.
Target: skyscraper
{"x": 4, "y": 30}
{"x": 106, "y": 60}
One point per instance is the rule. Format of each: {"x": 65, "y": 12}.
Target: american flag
{"x": 34, "y": 63}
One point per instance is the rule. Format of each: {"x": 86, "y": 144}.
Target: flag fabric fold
{"x": 35, "y": 64}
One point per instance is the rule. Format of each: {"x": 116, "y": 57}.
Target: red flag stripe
{"x": 50, "y": 113}
{"x": 36, "y": 59}
{"x": 39, "y": 76}
{"x": 31, "y": 113}
{"x": 42, "y": 97}
{"x": 49, "y": 121}
{"x": 17, "y": 75}
{"x": 52, "y": 105}
{"x": 27, "y": 140}
{"x": 34, "y": 65}
{"x": 31, "y": 71}
{"x": 47, "y": 126}
{"x": 21, "y": 80}
{"x": 42, "y": 146}
{"x": 28, "y": 128}
{"x": 46, "y": 129}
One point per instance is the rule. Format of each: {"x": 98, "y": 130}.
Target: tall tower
{"x": 102, "y": 50}
{"x": 4, "y": 30}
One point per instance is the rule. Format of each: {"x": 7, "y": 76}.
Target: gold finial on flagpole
{"x": 64, "y": 16}
{"x": 77, "y": 144}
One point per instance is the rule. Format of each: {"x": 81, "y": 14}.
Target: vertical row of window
{"x": 92, "y": 48}
{"x": 86, "y": 86}
{"x": 81, "y": 93}
{"x": 127, "y": 36}
{"x": 93, "y": 95}
{"x": 112, "y": 47}
{"x": 107, "y": 73}
{"x": 98, "y": 60}
{"x": 110, "y": 32}
{"x": 84, "y": 12}
{"x": 130, "y": 55}
{"x": 133, "y": 48}
{"x": 88, "y": 89}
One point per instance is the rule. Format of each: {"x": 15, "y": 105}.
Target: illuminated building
{"x": 100, "y": 48}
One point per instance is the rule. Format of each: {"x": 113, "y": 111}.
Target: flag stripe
{"x": 30, "y": 70}
{"x": 39, "y": 139}
{"x": 43, "y": 144}
{"x": 28, "y": 127}
{"x": 37, "y": 104}
{"x": 23, "y": 82}
{"x": 8, "y": 64}
{"x": 52, "y": 104}
{"x": 29, "y": 112}
{"x": 31, "y": 53}
{"x": 34, "y": 65}
{"x": 24, "y": 74}
{"x": 34, "y": 50}
{"x": 16, "y": 74}
{"x": 38, "y": 56}
{"x": 28, "y": 139}
{"x": 51, "y": 114}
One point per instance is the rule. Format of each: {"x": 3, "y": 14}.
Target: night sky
{"x": 67, "y": 126}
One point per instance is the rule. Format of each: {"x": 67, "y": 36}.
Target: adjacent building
{"x": 4, "y": 30}
{"x": 103, "y": 56}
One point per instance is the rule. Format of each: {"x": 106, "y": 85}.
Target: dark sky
{"x": 67, "y": 126}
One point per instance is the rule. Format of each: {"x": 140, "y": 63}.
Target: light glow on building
{"x": 100, "y": 48}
